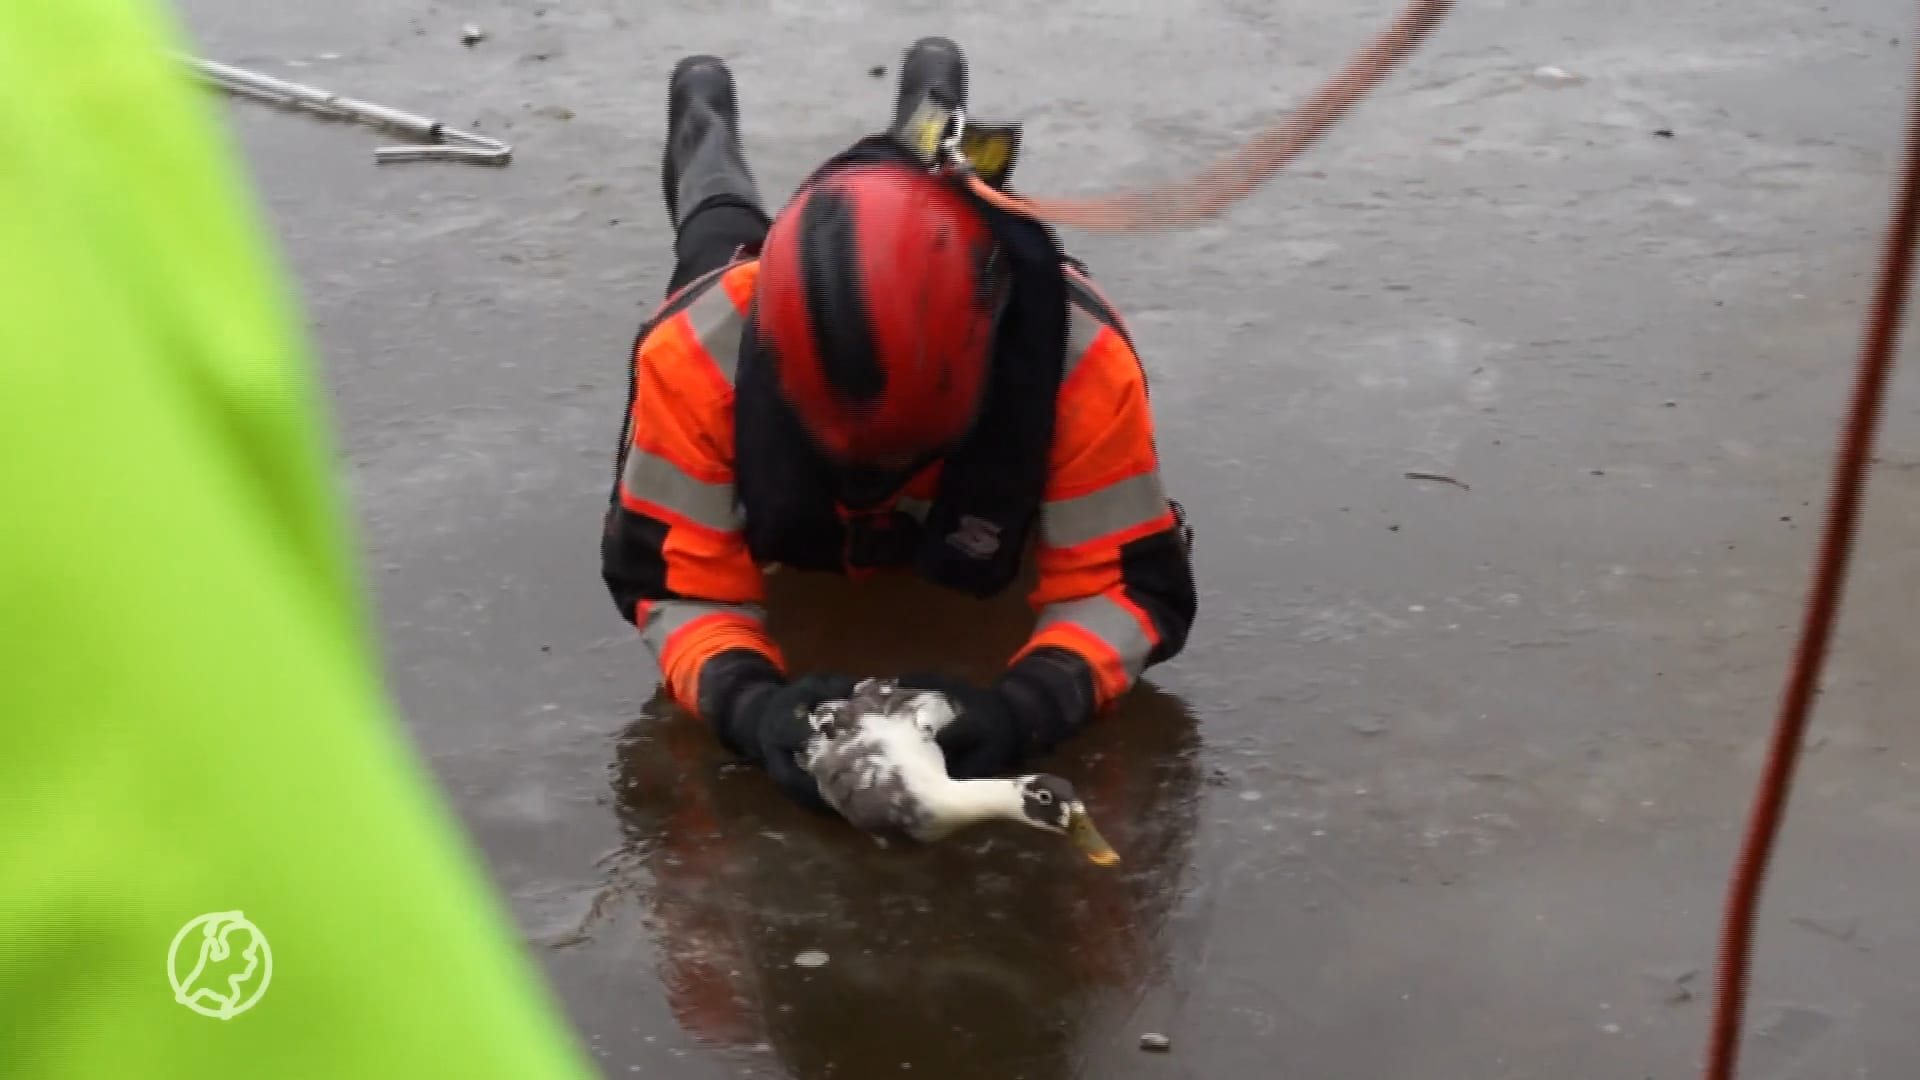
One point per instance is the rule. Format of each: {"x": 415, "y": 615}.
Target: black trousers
{"x": 712, "y": 233}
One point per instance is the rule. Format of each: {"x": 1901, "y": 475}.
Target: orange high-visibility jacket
{"x": 1114, "y": 582}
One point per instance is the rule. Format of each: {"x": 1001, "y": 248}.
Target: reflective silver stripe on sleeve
{"x": 1082, "y": 328}
{"x": 917, "y": 509}
{"x": 1107, "y": 621}
{"x": 1120, "y": 505}
{"x": 666, "y": 618}
{"x": 660, "y": 482}
{"x": 718, "y": 326}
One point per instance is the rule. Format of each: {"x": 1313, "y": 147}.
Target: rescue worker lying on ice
{"x": 892, "y": 375}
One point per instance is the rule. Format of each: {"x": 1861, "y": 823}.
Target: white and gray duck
{"x": 875, "y": 760}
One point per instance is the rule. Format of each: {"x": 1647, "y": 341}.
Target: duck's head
{"x": 1050, "y": 802}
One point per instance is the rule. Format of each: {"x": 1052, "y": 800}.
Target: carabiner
{"x": 950, "y": 143}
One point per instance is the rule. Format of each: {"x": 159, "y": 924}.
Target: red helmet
{"x": 878, "y": 293}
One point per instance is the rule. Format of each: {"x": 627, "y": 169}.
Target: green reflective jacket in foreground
{"x": 191, "y": 717}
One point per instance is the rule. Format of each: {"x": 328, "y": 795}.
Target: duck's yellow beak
{"x": 1088, "y": 839}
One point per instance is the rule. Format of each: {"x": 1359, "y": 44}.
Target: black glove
{"x": 1026, "y": 712}
{"x": 766, "y": 722}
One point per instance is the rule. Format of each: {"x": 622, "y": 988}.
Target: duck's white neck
{"x": 957, "y": 804}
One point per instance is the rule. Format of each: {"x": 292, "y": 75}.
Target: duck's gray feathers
{"x": 872, "y": 752}
{"x": 857, "y": 778}
{"x": 883, "y": 698}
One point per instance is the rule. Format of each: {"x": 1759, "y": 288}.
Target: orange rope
{"x": 1232, "y": 178}
{"x": 1823, "y": 606}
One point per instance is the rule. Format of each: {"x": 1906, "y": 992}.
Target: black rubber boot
{"x": 703, "y": 161}
{"x": 931, "y": 65}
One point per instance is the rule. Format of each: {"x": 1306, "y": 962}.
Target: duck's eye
{"x": 1043, "y": 797}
